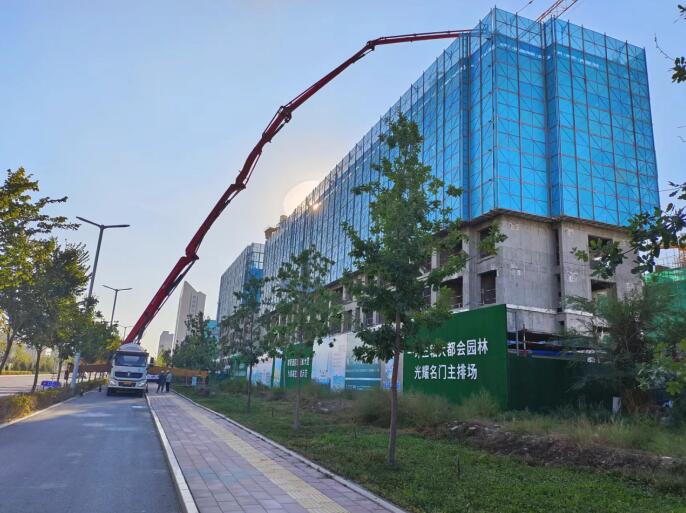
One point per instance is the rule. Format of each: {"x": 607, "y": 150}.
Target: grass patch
{"x": 481, "y": 405}
{"x": 640, "y": 433}
{"x": 15, "y": 406}
{"x": 435, "y": 474}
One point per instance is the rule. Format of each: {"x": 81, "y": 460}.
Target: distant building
{"x": 190, "y": 303}
{"x": 214, "y": 328}
{"x": 249, "y": 263}
{"x": 166, "y": 342}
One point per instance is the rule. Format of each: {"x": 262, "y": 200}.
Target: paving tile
{"x": 228, "y": 470}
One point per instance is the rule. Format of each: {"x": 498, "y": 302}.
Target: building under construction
{"x": 547, "y": 128}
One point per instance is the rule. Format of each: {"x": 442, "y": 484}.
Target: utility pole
{"x": 102, "y": 228}
{"x": 114, "y": 305}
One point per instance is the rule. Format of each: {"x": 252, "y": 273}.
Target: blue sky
{"x": 142, "y": 112}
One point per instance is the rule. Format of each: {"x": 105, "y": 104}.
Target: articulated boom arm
{"x": 282, "y": 116}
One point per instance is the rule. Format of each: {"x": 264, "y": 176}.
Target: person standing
{"x": 161, "y": 379}
{"x": 168, "y": 379}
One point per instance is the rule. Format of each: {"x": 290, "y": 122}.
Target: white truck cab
{"x": 129, "y": 370}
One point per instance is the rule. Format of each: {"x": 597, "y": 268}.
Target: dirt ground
{"x": 550, "y": 450}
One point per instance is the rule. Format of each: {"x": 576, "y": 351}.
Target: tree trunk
{"x": 8, "y": 348}
{"x": 39, "y": 350}
{"x": 393, "y": 430}
{"x": 296, "y": 415}
{"x": 249, "y": 386}
{"x": 59, "y": 369}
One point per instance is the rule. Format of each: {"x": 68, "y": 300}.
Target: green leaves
{"x": 408, "y": 224}
{"x": 243, "y": 332}
{"x": 649, "y": 234}
{"x": 304, "y": 307}
{"x": 22, "y": 219}
{"x": 199, "y": 349}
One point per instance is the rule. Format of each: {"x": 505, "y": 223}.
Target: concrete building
{"x": 191, "y": 303}
{"x": 248, "y": 263}
{"x": 166, "y": 342}
{"x": 547, "y": 128}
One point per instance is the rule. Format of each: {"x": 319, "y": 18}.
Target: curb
{"x": 341, "y": 480}
{"x": 183, "y": 492}
{"x": 15, "y": 421}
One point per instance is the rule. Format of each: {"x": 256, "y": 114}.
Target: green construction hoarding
{"x": 297, "y": 365}
{"x": 473, "y": 358}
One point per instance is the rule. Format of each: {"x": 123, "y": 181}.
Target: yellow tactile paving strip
{"x": 308, "y": 497}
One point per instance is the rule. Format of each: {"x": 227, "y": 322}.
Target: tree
{"x": 199, "y": 349}
{"x": 303, "y": 312}
{"x": 622, "y": 334}
{"x": 408, "y": 223}
{"x": 47, "y": 298}
{"x": 22, "y": 222}
{"x": 650, "y": 233}
{"x": 679, "y": 68}
{"x": 164, "y": 358}
{"x": 244, "y": 331}
{"x": 21, "y": 359}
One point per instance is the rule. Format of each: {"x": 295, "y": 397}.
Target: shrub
{"x": 48, "y": 397}
{"x": 19, "y": 405}
{"x": 424, "y": 411}
{"x": 415, "y": 410}
{"x": 372, "y": 407}
{"x": 277, "y": 394}
{"x": 481, "y": 405}
{"x": 233, "y": 386}
{"x": 678, "y": 412}
{"x": 316, "y": 392}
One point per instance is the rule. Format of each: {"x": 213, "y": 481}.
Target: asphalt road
{"x": 23, "y": 383}
{"x": 94, "y": 454}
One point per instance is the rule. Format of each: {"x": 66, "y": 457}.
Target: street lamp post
{"x": 126, "y": 328}
{"x": 102, "y": 228}
{"x": 114, "y": 305}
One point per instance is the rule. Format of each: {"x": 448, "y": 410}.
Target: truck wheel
{"x": 109, "y": 391}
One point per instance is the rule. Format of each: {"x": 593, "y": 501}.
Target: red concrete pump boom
{"x": 282, "y": 116}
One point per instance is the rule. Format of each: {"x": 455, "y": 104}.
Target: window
{"x": 445, "y": 253}
{"x": 427, "y": 295}
{"x": 488, "y": 295}
{"x": 347, "y": 320}
{"x": 130, "y": 360}
{"x": 369, "y": 319}
{"x": 339, "y": 294}
{"x": 483, "y": 235}
{"x": 595, "y": 247}
{"x": 336, "y": 324}
{"x": 455, "y": 289}
{"x": 602, "y": 289}
{"x": 556, "y": 242}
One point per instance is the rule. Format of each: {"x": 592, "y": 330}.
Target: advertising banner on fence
{"x": 328, "y": 363}
{"x": 359, "y": 375}
{"x": 297, "y": 365}
{"x": 473, "y": 357}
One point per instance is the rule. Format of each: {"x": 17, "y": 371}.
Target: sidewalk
{"x": 229, "y": 470}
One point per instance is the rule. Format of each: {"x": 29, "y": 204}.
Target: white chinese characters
{"x": 467, "y": 349}
{"x": 461, "y": 371}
